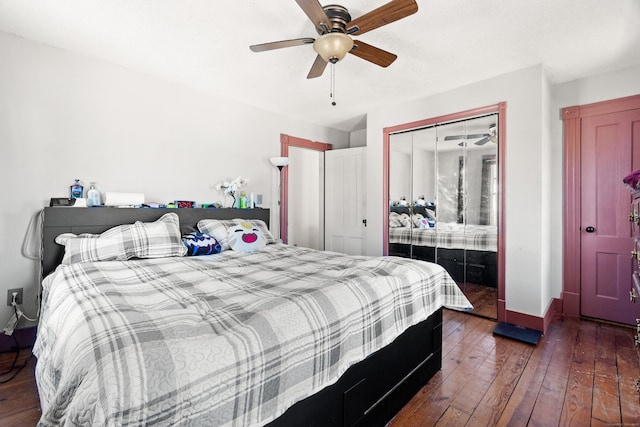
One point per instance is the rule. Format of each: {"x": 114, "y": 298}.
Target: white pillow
{"x": 246, "y": 237}
{"x": 394, "y": 220}
{"x": 218, "y": 229}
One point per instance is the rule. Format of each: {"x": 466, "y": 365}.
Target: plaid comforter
{"x": 229, "y": 339}
{"x": 448, "y": 235}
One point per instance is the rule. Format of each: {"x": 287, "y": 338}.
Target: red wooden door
{"x": 610, "y": 149}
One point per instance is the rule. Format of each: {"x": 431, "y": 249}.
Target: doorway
{"x": 306, "y": 198}
{"x": 601, "y": 146}
{"x": 302, "y": 192}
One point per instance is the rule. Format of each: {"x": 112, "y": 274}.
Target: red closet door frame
{"x": 572, "y": 118}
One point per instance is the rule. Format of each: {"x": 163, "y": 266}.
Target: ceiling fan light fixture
{"x": 332, "y": 47}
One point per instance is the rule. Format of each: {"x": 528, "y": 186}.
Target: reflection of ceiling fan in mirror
{"x": 482, "y": 138}
{"x": 335, "y": 27}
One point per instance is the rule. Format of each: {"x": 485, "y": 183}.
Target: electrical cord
{"x": 33, "y": 238}
{"x": 15, "y": 359}
{"x": 19, "y": 313}
{"x": 34, "y": 230}
{"x": 18, "y": 370}
{"x": 26, "y": 317}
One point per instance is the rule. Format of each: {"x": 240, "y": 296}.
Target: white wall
{"x": 358, "y": 138}
{"x": 400, "y": 170}
{"x": 424, "y": 174}
{"x": 64, "y": 116}
{"x": 549, "y": 187}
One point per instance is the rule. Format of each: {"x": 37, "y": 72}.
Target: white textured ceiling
{"x": 446, "y": 44}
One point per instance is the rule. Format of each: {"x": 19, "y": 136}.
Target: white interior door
{"x": 345, "y": 203}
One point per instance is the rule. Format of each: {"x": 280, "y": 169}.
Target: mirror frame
{"x": 501, "y": 110}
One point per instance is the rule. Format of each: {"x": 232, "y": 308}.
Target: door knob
{"x": 590, "y": 229}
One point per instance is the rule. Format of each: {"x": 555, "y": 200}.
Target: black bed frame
{"x": 369, "y": 393}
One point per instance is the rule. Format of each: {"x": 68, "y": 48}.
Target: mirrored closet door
{"x": 443, "y": 202}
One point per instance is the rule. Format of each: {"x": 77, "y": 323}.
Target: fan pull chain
{"x": 333, "y": 84}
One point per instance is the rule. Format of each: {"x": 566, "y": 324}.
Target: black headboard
{"x": 60, "y": 220}
{"x": 406, "y": 209}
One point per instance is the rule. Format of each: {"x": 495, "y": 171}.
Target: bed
{"x": 467, "y": 251}
{"x": 222, "y": 339}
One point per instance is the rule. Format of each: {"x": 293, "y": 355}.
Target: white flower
{"x": 231, "y": 187}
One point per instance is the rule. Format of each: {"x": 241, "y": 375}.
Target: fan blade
{"x": 483, "y": 141}
{"x": 385, "y": 14}
{"x": 454, "y": 137}
{"x": 317, "y": 68}
{"x": 372, "y": 54}
{"x": 278, "y": 45}
{"x": 316, "y": 14}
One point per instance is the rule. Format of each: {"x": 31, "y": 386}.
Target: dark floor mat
{"x": 518, "y": 333}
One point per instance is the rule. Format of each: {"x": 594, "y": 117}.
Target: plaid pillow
{"x": 157, "y": 239}
{"x": 218, "y": 229}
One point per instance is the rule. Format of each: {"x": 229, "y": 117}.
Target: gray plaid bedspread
{"x": 231, "y": 339}
{"x": 448, "y": 235}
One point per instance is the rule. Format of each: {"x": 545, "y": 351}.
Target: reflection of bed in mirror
{"x": 468, "y": 252}
{"x": 444, "y": 187}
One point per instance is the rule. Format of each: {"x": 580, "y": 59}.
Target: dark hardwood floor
{"x": 19, "y": 402}
{"x": 483, "y": 298}
{"x": 581, "y": 373}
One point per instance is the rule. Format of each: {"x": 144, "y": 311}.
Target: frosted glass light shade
{"x": 279, "y": 162}
{"x": 332, "y": 47}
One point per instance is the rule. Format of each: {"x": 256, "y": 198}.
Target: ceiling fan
{"x": 335, "y": 27}
{"x": 482, "y": 138}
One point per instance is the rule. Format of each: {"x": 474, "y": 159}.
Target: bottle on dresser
{"x": 93, "y": 196}
{"x": 76, "y": 190}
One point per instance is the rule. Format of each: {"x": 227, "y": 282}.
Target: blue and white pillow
{"x": 200, "y": 244}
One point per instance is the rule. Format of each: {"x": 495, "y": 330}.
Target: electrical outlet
{"x": 10, "y": 296}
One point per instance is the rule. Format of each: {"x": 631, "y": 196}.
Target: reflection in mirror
{"x": 400, "y": 193}
{"x": 443, "y": 197}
